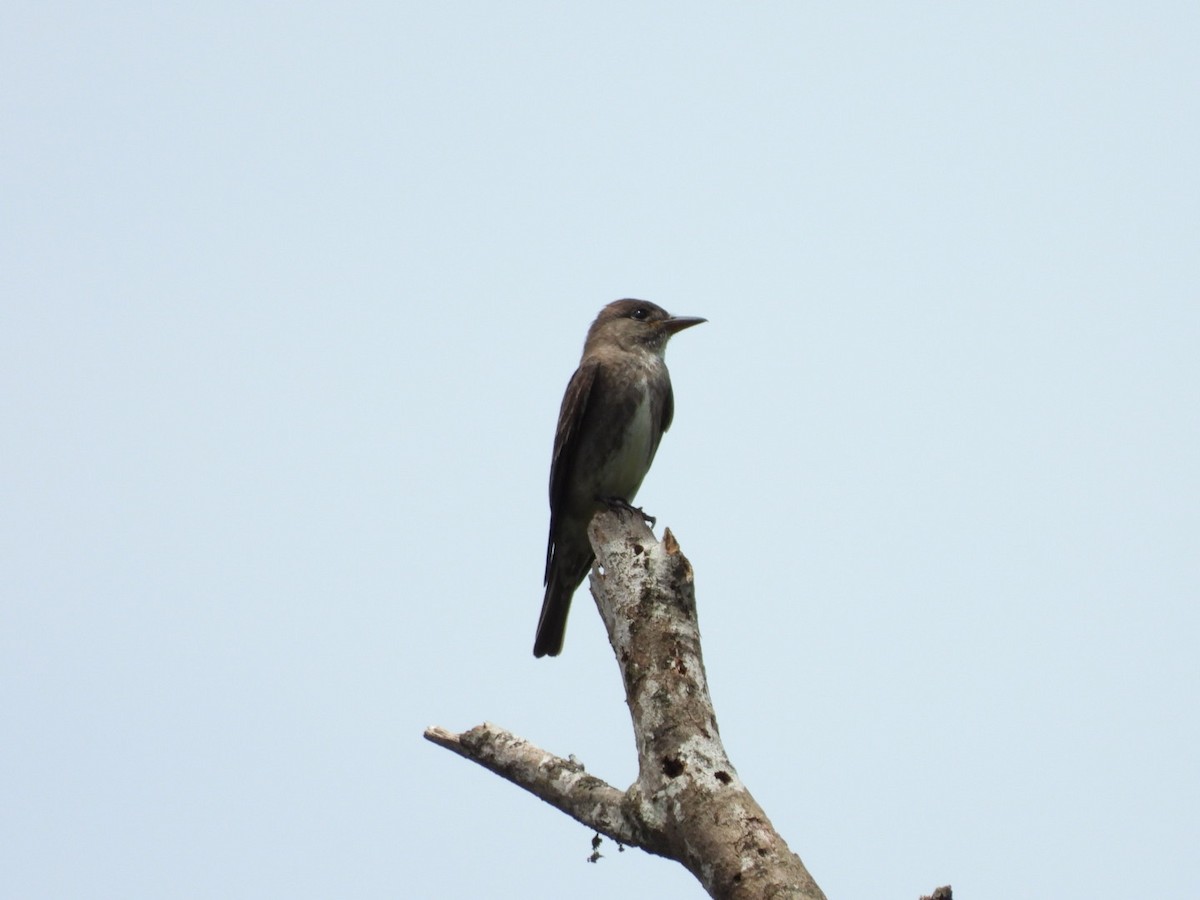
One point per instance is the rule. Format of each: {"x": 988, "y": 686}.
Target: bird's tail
{"x": 563, "y": 576}
{"x": 552, "y": 624}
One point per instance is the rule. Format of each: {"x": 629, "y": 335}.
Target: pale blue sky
{"x": 290, "y": 296}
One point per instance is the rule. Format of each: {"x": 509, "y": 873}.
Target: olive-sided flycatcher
{"x": 617, "y": 406}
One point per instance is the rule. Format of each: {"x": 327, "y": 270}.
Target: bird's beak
{"x": 676, "y": 324}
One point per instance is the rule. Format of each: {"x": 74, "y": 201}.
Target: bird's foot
{"x": 620, "y": 503}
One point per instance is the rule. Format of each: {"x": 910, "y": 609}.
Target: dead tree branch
{"x": 688, "y": 802}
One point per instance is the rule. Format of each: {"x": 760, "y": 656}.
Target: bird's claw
{"x": 620, "y": 503}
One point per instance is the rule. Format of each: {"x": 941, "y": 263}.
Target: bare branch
{"x": 688, "y": 802}
{"x": 562, "y": 783}
{"x": 687, "y": 785}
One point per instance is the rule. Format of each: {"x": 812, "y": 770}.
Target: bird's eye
{"x": 640, "y": 313}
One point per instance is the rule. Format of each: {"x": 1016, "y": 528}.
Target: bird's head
{"x": 636, "y": 325}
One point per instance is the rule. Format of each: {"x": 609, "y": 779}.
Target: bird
{"x": 614, "y": 412}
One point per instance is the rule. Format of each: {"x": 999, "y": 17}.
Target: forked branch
{"x": 688, "y": 802}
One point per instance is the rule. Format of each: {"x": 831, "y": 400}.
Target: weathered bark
{"x": 688, "y": 802}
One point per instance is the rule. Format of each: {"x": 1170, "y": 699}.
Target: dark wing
{"x": 570, "y": 423}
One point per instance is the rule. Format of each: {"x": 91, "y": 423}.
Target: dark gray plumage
{"x": 616, "y": 408}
